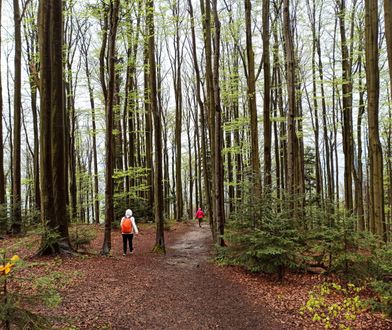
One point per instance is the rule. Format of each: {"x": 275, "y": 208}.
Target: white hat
{"x": 128, "y": 213}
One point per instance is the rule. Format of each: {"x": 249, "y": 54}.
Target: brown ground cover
{"x": 181, "y": 290}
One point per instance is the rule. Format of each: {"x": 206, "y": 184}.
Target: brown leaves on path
{"x": 182, "y": 290}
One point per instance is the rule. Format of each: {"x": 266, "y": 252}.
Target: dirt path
{"x": 178, "y": 291}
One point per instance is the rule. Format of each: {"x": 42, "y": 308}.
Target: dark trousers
{"x": 129, "y": 238}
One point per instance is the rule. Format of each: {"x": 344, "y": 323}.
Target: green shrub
{"x": 341, "y": 248}
{"x": 262, "y": 240}
{"x": 384, "y": 301}
{"x": 49, "y": 238}
{"x": 381, "y": 268}
{"x": 81, "y": 235}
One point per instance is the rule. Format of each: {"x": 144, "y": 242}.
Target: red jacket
{"x": 199, "y": 214}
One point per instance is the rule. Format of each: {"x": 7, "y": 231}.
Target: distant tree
{"x": 84, "y": 49}
{"x": 31, "y": 41}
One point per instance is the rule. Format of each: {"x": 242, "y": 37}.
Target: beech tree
{"x": 109, "y": 161}
{"x": 251, "y": 84}
{"x": 16, "y": 165}
{"x": 52, "y": 126}
{"x": 2, "y": 177}
{"x": 158, "y": 177}
{"x": 376, "y": 206}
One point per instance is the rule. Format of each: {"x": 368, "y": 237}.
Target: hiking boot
{"x": 124, "y": 254}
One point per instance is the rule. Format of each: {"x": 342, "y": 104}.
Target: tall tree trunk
{"x": 52, "y": 125}
{"x": 94, "y": 137}
{"x": 205, "y": 7}
{"x": 376, "y": 212}
{"x": 2, "y": 177}
{"x": 58, "y": 121}
{"x": 16, "y": 164}
{"x": 178, "y": 126}
{"x": 327, "y": 148}
{"x": 109, "y": 160}
{"x": 219, "y": 193}
{"x": 267, "y": 96}
{"x": 191, "y": 174}
{"x": 251, "y": 97}
{"x": 148, "y": 128}
{"x": 358, "y": 171}
{"x": 316, "y": 126}
{"x": 201, "y": 128}
{"x": 292, "y": 141}
{"x": 388, "y": 37}
{"x": 158, "y": 187}
{"x": 348, "y": 148}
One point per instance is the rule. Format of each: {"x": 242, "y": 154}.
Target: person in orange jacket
{"x": 199, "y": 215}
{"x": 128, "y": 228}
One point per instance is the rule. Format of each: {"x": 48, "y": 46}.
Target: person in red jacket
{"x": 199, "y": 215}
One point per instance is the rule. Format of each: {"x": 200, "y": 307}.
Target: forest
{"x": 272, "y": 116}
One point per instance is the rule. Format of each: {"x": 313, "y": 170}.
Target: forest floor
{"x": 183, "y": 289}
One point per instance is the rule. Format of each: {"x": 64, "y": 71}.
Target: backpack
{"x": 126, "y": 227}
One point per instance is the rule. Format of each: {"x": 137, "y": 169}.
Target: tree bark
{"x": 267, "y": 96}
{"x": 347, "y": 130}
{"x": 219, "y": 192}
{"x": 292, "y": 141}
{"x": 158, "y": 184}
{"x": 109, "y": 159}
{"x": 2, "y": 177}
{"x": 52, "y": 125}
{"x": 205, "y": 7}
{"x": 251, "y": 98}
{"x": 16, "y": 164}
{"x": 376, "y": 211}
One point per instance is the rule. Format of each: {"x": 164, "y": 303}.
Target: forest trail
{"x": 181, "y": 290}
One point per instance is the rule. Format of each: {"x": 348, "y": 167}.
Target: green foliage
{"x": 81, "y": 235}
{"x": 333, "y": 242}
{"x": 333, "y": 305}
{"x": 50, "y": 237}
{"x": 381, "y": 268}
{"x": 140, "y": 209}
{"x": 261, "y": 239}
{"x": 384, "y": 301}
